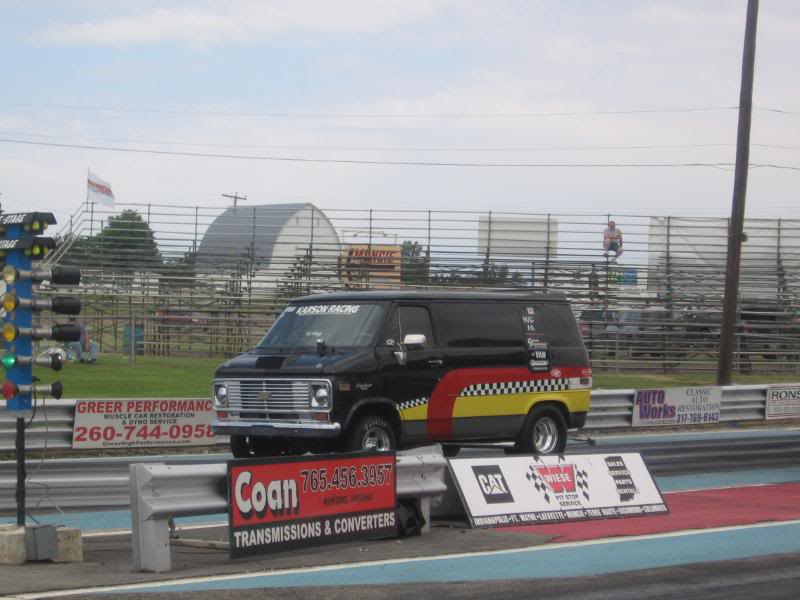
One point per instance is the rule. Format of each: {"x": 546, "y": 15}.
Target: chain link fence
{"x": 177, "y": 280}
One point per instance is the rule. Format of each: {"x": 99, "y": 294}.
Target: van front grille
{"x": 270, "y": 395}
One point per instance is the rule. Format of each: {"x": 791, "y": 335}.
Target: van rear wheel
{"x": 544, "y": 432}
{"x": 371, "y": 434}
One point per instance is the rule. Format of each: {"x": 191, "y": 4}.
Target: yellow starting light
{"x": 9, "y": 332}
{"x": 10, "y": 302}
{"x": 36, "y": 226}
{"x": 10, "y": 274}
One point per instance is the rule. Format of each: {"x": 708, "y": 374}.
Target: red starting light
{"x": 9, "y": 390}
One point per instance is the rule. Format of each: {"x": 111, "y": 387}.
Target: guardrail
{"x": 52, "y": 423}
{"x": 160, "y": 492}
{"x": 614, "y": 408}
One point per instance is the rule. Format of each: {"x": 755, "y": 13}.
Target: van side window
{"x": 558, "y": 323}
{"x": 479, "y": 325}
{"x": 410, "y": 319}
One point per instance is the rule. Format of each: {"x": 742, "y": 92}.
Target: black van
{"x": 378, "y": 370}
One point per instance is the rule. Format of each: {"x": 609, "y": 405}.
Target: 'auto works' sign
{"x": 293, "y": 502}
{"x": 677, "y": 406}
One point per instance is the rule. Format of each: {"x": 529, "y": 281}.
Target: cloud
{"x": 242, "y": 21}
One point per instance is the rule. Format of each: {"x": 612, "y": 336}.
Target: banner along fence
{"x": 167, "y": 280}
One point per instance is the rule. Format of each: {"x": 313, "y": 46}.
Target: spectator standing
{"x": 85, "y": 346}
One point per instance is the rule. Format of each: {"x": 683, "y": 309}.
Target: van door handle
{"x": 435, "y": 362}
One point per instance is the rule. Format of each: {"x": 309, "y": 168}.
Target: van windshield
{"x": 339, "y": 325}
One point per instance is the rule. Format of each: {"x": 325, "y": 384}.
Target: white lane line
{"x": 134, "y": 587}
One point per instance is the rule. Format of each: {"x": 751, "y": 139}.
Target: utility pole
{"x": 235, "y": 197}
{"x": 727, "y": 335}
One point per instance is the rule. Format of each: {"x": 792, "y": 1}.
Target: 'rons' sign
{"x": 783, "y": 401}
{"x": 296, "y": 501}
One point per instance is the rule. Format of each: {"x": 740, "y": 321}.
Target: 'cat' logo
{"x": 492, "y": 484}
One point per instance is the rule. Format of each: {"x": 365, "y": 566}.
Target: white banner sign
{"x": 783, "y": 402}
{"x": 677, "y": 406}
{"x": 517, "y": 490}
{"x": 142, "y": 423}
{"x": 98, "y": 190}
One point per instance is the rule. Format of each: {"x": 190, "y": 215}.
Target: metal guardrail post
{"x": 421, "y": 476}
{"x": 150, "y": 536}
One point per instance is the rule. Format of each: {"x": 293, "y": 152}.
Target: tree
{"x": 125, "y": 244}
{"x": 414, "y": 266}
{"x": 179, "y": 272}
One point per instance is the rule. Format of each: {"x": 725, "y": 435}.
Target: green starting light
{"x": 9, "y": 361}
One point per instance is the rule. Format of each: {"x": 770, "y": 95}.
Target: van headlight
{"x": 320, "y": 396}
{"x": 220, "y": 395}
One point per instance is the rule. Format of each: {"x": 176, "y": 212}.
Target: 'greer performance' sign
{"x": 142, "y": 423}
{"x": 294, "y": 502}
{"x": 677, "y": 406}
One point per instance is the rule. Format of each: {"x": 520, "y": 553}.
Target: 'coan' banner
{"x": 294, "y": 502}
{"x": 517, "y": 490}
{"x": 677, "y": 406}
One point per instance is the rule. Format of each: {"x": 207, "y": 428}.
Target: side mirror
{"x": 415, "y": 340}
{"x": 411, "y": 341}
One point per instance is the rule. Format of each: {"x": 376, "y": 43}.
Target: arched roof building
{"x": 269, "y": 240}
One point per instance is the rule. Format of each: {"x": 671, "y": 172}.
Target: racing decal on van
{"x": 538, "y": 352}
{"x": 517, "y": 387}
{"x": 412, "y": 403}
{"x": 500, "y": 380}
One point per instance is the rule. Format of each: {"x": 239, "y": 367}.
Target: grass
{"x": 112, "y": 376}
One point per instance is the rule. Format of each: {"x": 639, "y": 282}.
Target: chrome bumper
{"x": 260, "y": 428}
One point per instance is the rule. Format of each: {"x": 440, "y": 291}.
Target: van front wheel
{"x": 371, "y": 434}
{"x": 544, "y": 432}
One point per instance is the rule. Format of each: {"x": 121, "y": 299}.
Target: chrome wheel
{"x": 545, "y": 435}
{"x": 376, "y": 439}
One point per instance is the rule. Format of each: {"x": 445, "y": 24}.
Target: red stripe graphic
{"x": 443, "y": 398}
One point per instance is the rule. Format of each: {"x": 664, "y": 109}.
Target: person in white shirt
{"x": 612, "y": 240}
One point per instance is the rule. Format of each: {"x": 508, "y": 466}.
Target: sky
{"x": 544, "y": 85}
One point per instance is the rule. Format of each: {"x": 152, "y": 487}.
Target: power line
{"x": 382, "y": 162}
{"x": 397, "y": 148}
{"x": 776, "y": 110}
{"x": 385, "y": 148}
{"x": 369, "y": 115}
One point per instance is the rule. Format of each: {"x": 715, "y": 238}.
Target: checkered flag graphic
{"x": 412, "y": 403}
{"x": 538, "y": 483}
{"x": 582, "y": 481}
{"x": 516, "y": 387}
